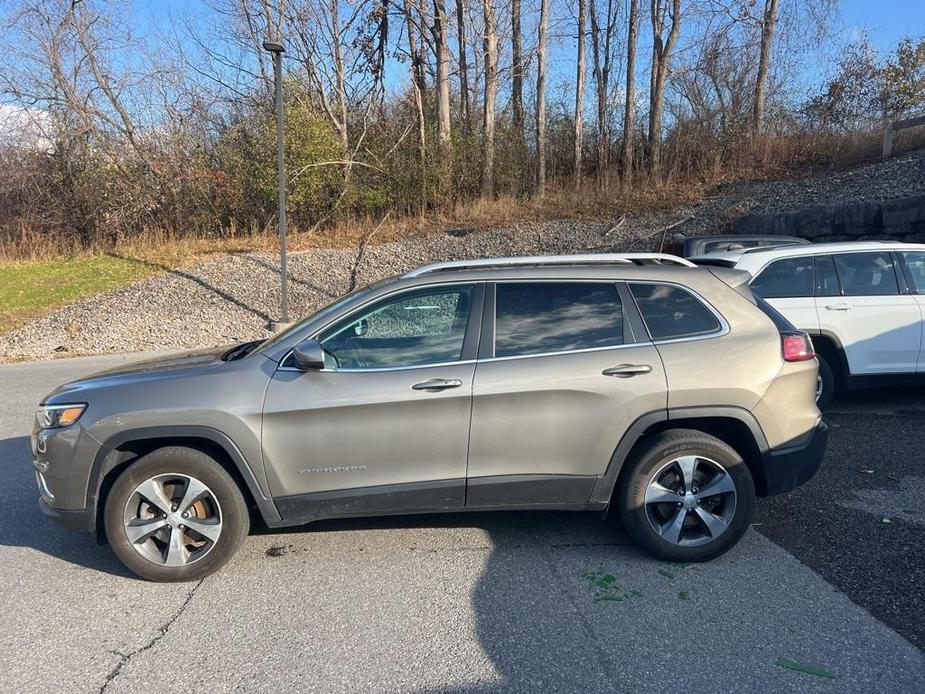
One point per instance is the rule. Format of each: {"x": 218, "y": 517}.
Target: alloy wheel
{"x": 690, "y": 501}
{"x": 172, "y": 519}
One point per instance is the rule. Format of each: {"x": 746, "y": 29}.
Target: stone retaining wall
{"x": 902, "y": 219}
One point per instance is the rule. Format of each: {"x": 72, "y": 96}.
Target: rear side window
{"x": 915, "y": 262}
{"x": 672, "y": 312}
{"x": 866, "y": 274}
{"x": 540, "y": 317}
{"x": 785, "y": 277}
{"x": 826, "y": 277}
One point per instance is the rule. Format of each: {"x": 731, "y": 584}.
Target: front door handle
{"x": 437, "y": 384}
{"x": 838, "y": 307}
{"x": 627, "y": 370}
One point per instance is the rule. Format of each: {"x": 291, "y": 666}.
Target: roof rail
{"x": 578, "y": 259}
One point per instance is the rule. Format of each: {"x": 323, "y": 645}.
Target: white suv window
{"x": 915, "y": 262}
{"x": 866, "y": 274}
{"x": 787, "y": 277}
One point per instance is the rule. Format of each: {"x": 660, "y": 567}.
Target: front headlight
{"x": 57, "y": 416}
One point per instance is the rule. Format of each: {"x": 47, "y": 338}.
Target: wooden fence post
{"x": 890, "y": 128}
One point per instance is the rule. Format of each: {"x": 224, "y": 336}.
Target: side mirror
{"x": 308, "y": 355}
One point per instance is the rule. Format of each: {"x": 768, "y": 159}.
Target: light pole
{"x": 277, "y": 50}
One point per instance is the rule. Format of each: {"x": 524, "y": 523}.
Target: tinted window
{"x": 538, "y": 317}
{"x": 826, "y": 277}
{"x": 866, "y": 274}
{"x": 785, "y": 277}
{"x": 672, "y": 312}
{"x": 915, "y": 261}
{"x": 415, "y": 328}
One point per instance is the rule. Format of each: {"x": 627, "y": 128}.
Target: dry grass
{"x": 779, "y": 156}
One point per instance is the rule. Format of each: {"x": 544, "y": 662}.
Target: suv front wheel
{"x": 687, "y": 496}
{"x": 175, "y": 515}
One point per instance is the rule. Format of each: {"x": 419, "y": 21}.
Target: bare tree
{"x": 418, "y": 84}
{"x": 517, "y": 70}
{"x": 464, "y": 111}
{"x": 541, "y": 99}
{"x": 580, "y": 92}
{"x": 602, "y": 45}
{"x": 490, "y": 41}
{"x": 442, "y": 52}
{"x": 660, "y": 14}
{"x": 768, "y": 20}
{"x": 630, "y": 107}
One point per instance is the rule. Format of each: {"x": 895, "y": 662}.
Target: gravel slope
{"x": 230, "y": 298}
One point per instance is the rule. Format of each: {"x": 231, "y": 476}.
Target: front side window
{"x": 542, "y": 317}
{"x": 411, "y": 329}
{"x": 785, "y": 277}
{"x": 915, "y": 262}
{"x": 671, "y": 312}
{"x": 866, "y": 274}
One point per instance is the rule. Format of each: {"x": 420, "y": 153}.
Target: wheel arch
{"x": 735, "y": 426}
{"x": 829, "y": 347}
{"x": 120, "y": 451}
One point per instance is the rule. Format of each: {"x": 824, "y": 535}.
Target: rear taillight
{"x": 797, "y": 347}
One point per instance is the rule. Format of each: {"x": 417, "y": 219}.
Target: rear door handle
{"x": 627, "y": 370}
{"x": 838, "y": 307}
{"x": 437, "y": 384}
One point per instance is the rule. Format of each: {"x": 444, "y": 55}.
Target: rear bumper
{"x": 82, "y": 520}
{"x": 787, "y": 468}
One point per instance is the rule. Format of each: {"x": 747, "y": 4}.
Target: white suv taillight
{"x": 797, "y": 346}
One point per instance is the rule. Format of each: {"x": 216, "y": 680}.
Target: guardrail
{"x": 892, "y": 126}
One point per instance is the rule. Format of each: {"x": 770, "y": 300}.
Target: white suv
{"x": 863, "y": 303}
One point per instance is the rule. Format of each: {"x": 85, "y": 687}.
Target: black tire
{"x": 649, "y": 460}
{"x": 827, "y": 383}
{"x": 235, "y": 519}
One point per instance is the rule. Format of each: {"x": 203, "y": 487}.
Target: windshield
{"x": 327, "y": 310}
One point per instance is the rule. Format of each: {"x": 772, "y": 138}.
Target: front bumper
{"x": 82, "y": 520}
{"x": 62, "y": 459}
{"x": 785, "y": 469}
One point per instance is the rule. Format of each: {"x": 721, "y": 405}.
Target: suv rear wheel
{"x": 175, "y": 515}
{"x": 687, "y": 496}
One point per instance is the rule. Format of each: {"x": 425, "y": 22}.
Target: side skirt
{"x": 503, "y": 493}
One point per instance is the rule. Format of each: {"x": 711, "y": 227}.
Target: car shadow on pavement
{"x": 22, "y": 524}
{"x": 526, "y": 617}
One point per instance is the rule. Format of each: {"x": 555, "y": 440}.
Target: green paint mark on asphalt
{"x": 605, "y": 588}
{"x": 804, "y": 668}
{"x": 684, "y": 595}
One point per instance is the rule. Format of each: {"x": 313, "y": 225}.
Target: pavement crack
{"x": 603, "y": 660}
{"x": 124, "y": 658}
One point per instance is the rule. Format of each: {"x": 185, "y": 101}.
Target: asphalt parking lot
{"x": 829, "y": 580}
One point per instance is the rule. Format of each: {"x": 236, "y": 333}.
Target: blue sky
{"x": 887, "y": 21}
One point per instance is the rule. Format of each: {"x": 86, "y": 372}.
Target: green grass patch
{"x": 28, "y": 289}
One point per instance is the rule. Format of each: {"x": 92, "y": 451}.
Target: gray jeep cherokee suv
{"x": 634, "y": 382}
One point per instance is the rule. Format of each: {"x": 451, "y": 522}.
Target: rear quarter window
{"x": 787, "y": 277}
{"x": 671, "y": 312}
